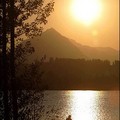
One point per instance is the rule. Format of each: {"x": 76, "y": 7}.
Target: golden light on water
{"x": 86, "y": 11}
{"x": 82, "y": 102}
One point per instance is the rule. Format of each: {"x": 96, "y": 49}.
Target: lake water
{"x": 81, "y": 105}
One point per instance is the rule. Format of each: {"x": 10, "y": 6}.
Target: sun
{"x": 86, "y": 11}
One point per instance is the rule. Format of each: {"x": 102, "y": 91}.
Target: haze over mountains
{"x": 52, "y": 44}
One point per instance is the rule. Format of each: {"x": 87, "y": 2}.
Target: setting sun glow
{"x": 86, "y": 11}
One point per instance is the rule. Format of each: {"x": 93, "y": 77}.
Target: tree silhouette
{"x": 4, "y": 57}
{"x": 16, "y": 18}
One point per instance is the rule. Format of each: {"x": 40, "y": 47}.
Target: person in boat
{"x": 69, "y": 117}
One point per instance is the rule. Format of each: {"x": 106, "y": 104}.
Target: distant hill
{"x": 52, "y": 44}
{"x": 102, "y": 53}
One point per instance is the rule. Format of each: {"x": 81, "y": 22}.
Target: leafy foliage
{"x": 29, "y": 18}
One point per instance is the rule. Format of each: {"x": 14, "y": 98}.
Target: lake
{"x": 81, "y": 105}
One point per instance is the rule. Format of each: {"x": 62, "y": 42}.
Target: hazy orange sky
{"x": 103, "y": 32}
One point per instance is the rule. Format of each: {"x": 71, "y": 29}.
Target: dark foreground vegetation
{"x": 29, "y": 104}
{"x": 16, "y": 22}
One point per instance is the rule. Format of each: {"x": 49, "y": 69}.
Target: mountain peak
{"x": 51, "y": 30}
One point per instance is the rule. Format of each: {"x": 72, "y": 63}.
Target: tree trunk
{"x": 4, "y": 62}
{"x": 12, "y": 65}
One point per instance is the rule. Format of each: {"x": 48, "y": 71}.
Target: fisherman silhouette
{"x": 69, "y": 118}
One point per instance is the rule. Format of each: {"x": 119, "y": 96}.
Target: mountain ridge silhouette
{"x": 52, "y": 44}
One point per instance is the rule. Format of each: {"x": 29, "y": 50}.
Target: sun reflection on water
{"x": 82, "y": 105}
